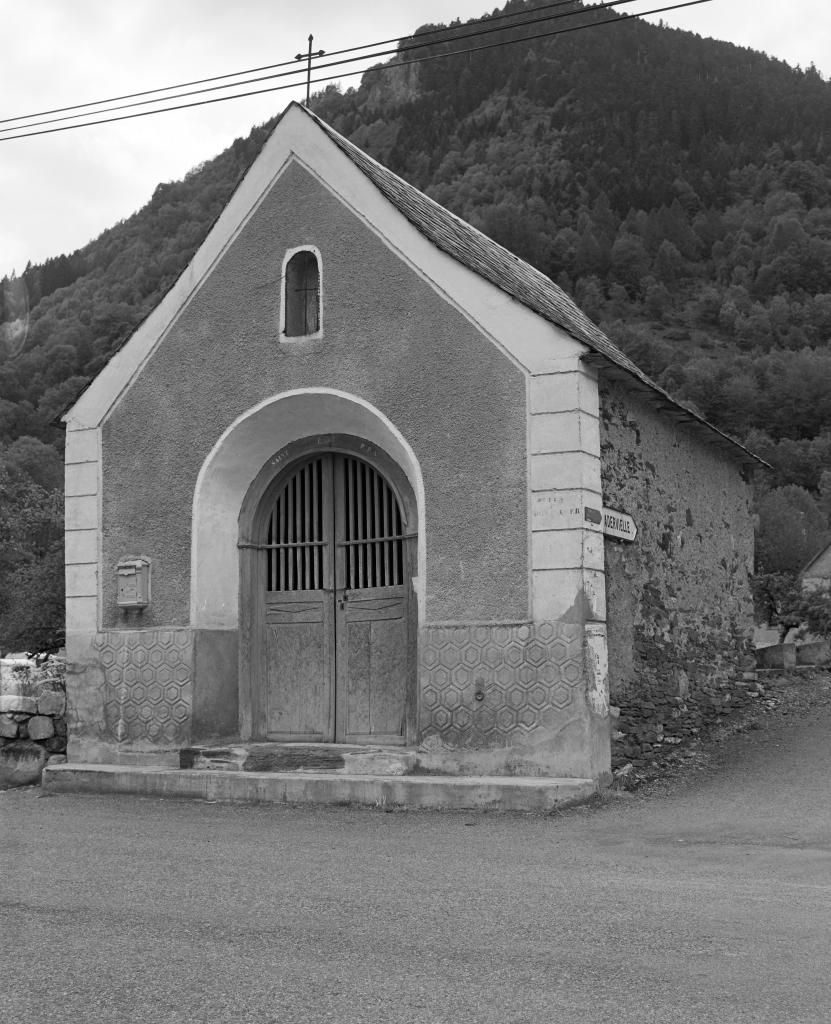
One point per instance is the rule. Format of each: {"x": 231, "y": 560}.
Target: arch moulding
{"x": 254, "y": 440}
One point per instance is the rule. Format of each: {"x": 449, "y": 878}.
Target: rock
{"x": 56, "y": 744}
{"x": 56, "y": 759}
{"x": 8, "y": 727}
{"x": 51, "y": 702}
{"x": 21, "y": 763}
{"x": 625, "y": 771}
{"x": 41, "y": 727}
{"x": 17, "y": 702}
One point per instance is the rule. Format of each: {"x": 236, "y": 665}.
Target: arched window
{"x": 301, "y": 297}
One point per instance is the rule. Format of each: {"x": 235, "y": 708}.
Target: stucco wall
{"x": 678, "y": 598}
{"x": 387, "y": 338}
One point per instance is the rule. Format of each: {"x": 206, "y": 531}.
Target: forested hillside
{"x": 679, "y": 188}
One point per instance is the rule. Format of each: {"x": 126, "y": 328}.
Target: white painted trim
{"x": 82, "y": 527}
{"x": 568, "y": 386}
{"x": 81, "y": 547}
{"x": 554, "y": 433}
{"x": 284, "y": 339}
{"x": 82, "y": 579}
{"x": 563, "y": 509}
{"x": 81, "y": 446}
{"x": 81, "y": 479}
{"x": 557, "y": 590}
{"x": 81, "y": 615}
{"x": 528, "y": 339}
{"x": 529, "y": 499}
{"x": 568, "y": 556}
{"x": 99, "y": 611}
{"x": 340, "y": 412}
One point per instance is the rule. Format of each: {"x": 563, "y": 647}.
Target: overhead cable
{"x": 447, "y": 30}
{"x": 617, "y": 20}
{"x": 299, "y": 71}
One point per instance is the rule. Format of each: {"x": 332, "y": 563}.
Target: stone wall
{"x": 679, "y": 605}
{"x": 32, "y": 716}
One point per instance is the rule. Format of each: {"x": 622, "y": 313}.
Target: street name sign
{"x": 614, "y": 523}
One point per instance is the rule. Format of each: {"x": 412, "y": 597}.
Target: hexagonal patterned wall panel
{"x": 492, "y": 685}
{"x": 147, "y": 688}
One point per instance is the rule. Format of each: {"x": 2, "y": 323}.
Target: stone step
{"x": 491, "y": 793}
{"x": 333, "y": 758}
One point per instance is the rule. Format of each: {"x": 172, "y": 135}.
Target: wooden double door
{"x": 336, "y": 644}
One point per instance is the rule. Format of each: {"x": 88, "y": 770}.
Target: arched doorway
{"x": 328, "y": 625}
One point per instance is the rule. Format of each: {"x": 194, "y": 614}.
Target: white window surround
{"x": 293, "y": 339}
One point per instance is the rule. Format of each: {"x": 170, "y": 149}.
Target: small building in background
{"x": 817, "y": 573}
{"x": 366, "y": 478}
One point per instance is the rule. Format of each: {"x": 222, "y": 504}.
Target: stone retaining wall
{"x": 645, "y": 730}
{"x": 33, "y": 710}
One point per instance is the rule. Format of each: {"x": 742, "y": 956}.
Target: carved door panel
{"x": 336, "y": 643}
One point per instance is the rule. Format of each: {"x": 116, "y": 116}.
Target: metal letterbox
{"x": 133, "y": 583}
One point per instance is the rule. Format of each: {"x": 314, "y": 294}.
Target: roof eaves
{"x": 665, "y": 403}
{"x": 816, "y": 558}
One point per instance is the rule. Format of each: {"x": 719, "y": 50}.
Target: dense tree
{"x": 31, "y": 555}
{"x": 792, "y": 529}
{"x": 679, "y": 186}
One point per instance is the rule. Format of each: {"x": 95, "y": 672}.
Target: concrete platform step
{"x": 337, "y": 758}
{"x": 493, "y": 793}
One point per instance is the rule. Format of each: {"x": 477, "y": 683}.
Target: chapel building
{"x": 366, "y": 478}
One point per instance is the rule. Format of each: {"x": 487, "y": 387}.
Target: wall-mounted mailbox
{"x": 133, "y": 583}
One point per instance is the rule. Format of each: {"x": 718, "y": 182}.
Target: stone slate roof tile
{"x": 508, "y": 272}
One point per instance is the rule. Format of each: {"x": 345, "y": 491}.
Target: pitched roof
{"x": 821, "y": 562}
{"x": 520, "y": 280}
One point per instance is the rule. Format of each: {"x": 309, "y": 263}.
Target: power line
{"x": 319, "y": 67}
{"x": 619, "y": 19}
{"x": 270, "y": 67}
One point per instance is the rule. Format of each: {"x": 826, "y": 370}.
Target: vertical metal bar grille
{"x": 294, "y": 538}
{"x": 372, "y": 529}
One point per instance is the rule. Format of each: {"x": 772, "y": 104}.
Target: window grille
{"x": 295, "y": 539}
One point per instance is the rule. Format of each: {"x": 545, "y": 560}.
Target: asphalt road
{"x": 706, "y": 902}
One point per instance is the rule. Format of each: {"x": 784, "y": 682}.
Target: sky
{"x": 59, "y": 190}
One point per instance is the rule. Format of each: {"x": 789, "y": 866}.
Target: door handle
{"x": 342, "y": 601}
